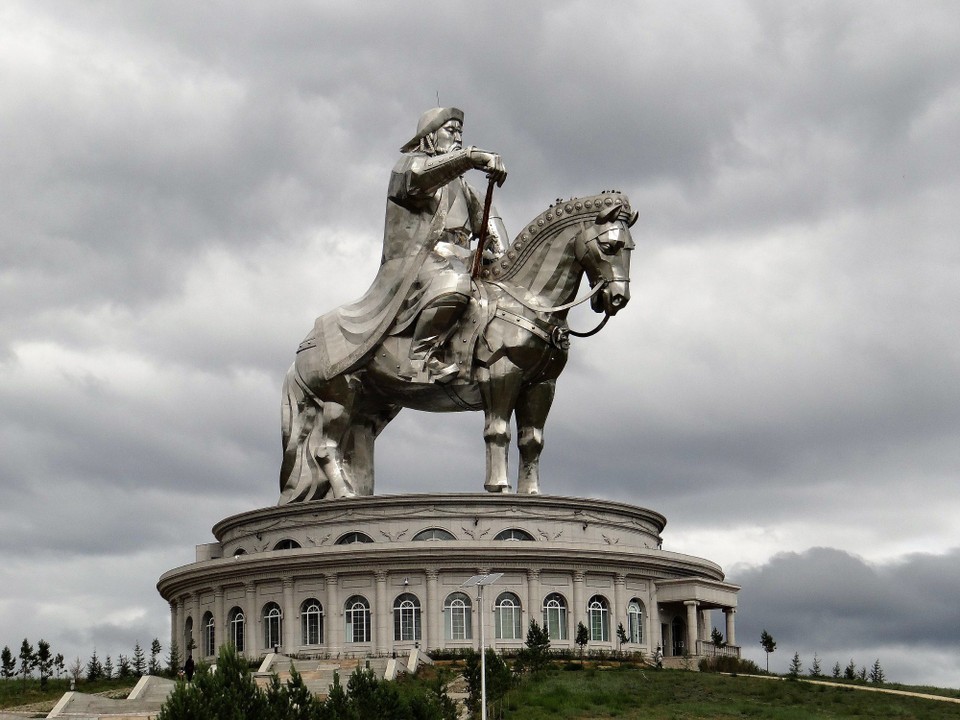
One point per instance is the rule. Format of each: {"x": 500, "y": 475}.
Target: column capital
{"x": 533, "y": 574}
{"x": 432, "y": 574}
{"x": 620, "y": 579}
{"x": 691, "y": 603}
{"x": 729, "y": 611}
{"x": 578, "y": 576}
{"x": 380, "y": 575}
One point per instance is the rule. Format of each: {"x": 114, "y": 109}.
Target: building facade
{"x": 383, "y": 574}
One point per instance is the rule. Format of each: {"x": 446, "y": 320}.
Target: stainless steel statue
{"x": 437, "y": 331}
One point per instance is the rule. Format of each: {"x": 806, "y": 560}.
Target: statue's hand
{"x": 493, "y": 247}
{"x": 489, "y": 162}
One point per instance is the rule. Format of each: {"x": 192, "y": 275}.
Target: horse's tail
{"x": 299, "y": 414}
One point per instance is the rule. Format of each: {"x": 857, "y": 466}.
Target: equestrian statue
{"x": 447, "y": 328}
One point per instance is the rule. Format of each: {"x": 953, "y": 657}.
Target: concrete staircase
{"x": 318, "y": 674}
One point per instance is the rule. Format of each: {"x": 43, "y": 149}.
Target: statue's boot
{"x": 434, "y": 326}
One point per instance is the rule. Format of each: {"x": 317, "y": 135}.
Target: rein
{"x": 566, "y": 306}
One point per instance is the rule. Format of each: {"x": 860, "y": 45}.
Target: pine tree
{"x": 139, "y": 663}
{"x": 155, "y": 649}
{"x": 8, "y": 665}
{"x": 796, "y": 667}
{"x": 123, "y": 667}
{"x": 536, "y": 651}
{"x": 44, "y": 661}
{"x": 768, "y": 644}
{"x": 94, "y": 668}
{"x": 850, "y": 672}
{"x": 876, "y": 673}
{"x": 174, "y": 661}
{"x": 28, "y": 660}
{"x": 108, "y": 668}
{"x": 815, "y": 667}
{"x": 582, "y": 638}
{"x": 716, "y": 637}
{"x": 836, "y": 669}
{"x": 59, "y": 664}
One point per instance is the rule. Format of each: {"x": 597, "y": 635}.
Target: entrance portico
{"x": 684, "y": 608}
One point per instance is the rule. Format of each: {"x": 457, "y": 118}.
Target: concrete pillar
{"x": 290, "y": 623}
{"x": 219, "y": 620}
{"x": 534, "y": 601}
{"x": 197, "y": 625}
{"x": 174, "y": 621}
{"x": 692, "y": 625}
{"x": 619, "y": 606}
{"x": 333, "y": 617}
{"x": 381, "y": 614}
{"x": 731, "y": 614}
{"x": 652, "y": 637}
{"x": 433, "y": 613}
{"x": 579, "y": 604}
{"x": 251, "y": 631}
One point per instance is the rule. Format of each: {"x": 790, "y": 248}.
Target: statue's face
{"x": 449, "y": 137}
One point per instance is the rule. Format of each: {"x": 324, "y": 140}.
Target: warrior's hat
{"x": 431, "y": 120}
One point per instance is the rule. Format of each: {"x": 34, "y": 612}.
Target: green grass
{"x": 14, "y": 694}
{"x": 679, "y": 695}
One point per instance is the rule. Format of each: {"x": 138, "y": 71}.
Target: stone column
{"x": 692, "y": 625}
{"x": 197, "y": 625}
{"x": 289, "y": 617}
{"x": 579, "y": 605}
{"x": 219, "y": 621}
{"x": 381, "y": 614}
{"x": 333, "y": 617}
{"x": 251, "y": 638}
{"x": 181, "y": 630}
{"x": 619, "y": 606}
{"x": 653, "y": 637}
{"x": 731, "y": 614}
{"x": 174, "y": 621}
{"x": 534, "y": 601}
{"x": 433, "y": 612}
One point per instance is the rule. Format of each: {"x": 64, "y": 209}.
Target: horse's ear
{"x": 608, "y": 215}
{"x": 633, "y": 218}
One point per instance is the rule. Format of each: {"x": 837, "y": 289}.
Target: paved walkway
{"x": 848, "y": 686}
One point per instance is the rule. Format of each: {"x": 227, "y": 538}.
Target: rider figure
{"x": 429, "y": 202}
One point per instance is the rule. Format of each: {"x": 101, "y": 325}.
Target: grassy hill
{"x": 680, "y": 695}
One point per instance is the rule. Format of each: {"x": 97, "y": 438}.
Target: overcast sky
{"x": 185, "y": 186}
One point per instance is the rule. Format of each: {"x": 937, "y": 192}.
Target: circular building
{"x": 382, "y": 574}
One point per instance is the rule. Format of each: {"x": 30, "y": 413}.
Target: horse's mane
{"x": 547, "y": 225}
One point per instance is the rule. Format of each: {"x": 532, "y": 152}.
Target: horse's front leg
{"x": 533, "y": 406}
{"x": 499, "y": 387}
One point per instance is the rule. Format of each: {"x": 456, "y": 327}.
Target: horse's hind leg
{"x": 338, "y": 410}
{"x": 358, "y": 448}
{"x": 533, "y": 406}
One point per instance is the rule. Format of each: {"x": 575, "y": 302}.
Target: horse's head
{"x": 603, "y": 248}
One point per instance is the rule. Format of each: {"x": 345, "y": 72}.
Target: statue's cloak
{"x": 342, "y": 338}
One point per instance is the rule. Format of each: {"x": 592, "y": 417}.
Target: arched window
{"x": 506, "y": 615}
{"x": 188, "y": 643}
{"x": 598, "y": 611}
{"x": 434, "y": 534}
{"x": 555, "y": 616}
{"x": 238, "y": 552}
{"x": 311, "y": 622}
{"x": 236, "y": 624}
{"x": 272, "y": 626}
{"x": 287, "y": 544}
{"x": 513, "y": 534}
{"x": 209, "y": 640}
{"x": 406, "y": 617}
{"x": 635, "y": 621}
{"x": 456, "y": 617}
{"x": 356, "y": 613}
{"x": 354, "y": 537}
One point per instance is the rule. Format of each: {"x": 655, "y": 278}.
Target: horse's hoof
{"x": 503, "y": 489}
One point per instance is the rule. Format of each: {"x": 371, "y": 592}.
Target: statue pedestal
{"x": 383, "y": 574}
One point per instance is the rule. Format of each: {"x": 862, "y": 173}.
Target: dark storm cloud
{"x": 835, "y": 604}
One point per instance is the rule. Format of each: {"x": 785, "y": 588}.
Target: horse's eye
{"x": 607, "y": 248}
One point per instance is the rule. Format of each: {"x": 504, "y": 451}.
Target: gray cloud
{"x": 185, "y": 189}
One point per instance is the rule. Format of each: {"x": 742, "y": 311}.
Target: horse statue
{"x": 510, "y": 346}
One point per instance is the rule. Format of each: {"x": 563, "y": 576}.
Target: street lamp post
{"x": 481, "y": 581}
